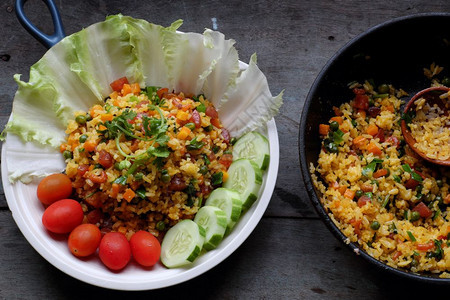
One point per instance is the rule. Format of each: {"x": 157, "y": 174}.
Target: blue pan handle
{"x": 47, "y": 40}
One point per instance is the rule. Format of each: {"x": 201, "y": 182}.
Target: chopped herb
{"x": 139, "y": 176}
{"x": 436, "y": 214}
{"x": 201, "y": 108}
{"x": 411, "y": 236}
{"x": 397, "y": 178}
{"x": 414, "y": 175}
{"x": 408, "y": 117}
{"x": 354, "y": 123}
{"x": 215, "y": 149}
{"x": 393, "y": 228}
{"x": 415, "y": 253}
{"x": 207, "y": 161}
{"x": 121, "y": 180}
{"x": 194, "y": 145}
{"x": 141, "y": 192}
{"x": 217, "y": 178}
{"x": 385, "y": 202}
{"x": 437, "y": 253}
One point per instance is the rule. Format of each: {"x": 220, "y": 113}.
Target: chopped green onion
{"x": 385, "y": 202}
{"x": 217, "y": 178}
{"x": 141, "y": 192}
{"x": 411, "y": 236}
{"x": 397, "y": 178}
{"x": 121, "y": 180}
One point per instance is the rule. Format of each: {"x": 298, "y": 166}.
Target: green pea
{"x": 383, "y": 88}
{"x": 67, "y": 154}
{"x": 439, "y": 182}
{"x": 83, "y": 138}
{"x": 359, "y": 193}
{"x": 165, "y": 177}
{"x": 203, "y": 170}
{"x": 80, "y": 119}
{"x": 117, "y": 166}
{"x": 160, "y": 226}
{"x": 334, "y": 125}
{"x": 375, "y": 225}
{"x": 446, "y": 81}
{"x": 191, "y": 126}
{"x": 414, "y": 216}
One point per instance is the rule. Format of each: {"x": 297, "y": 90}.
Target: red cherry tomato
{"x": 114, "y": 250}
{"x": 117, "y": 84}
{"x": 145, "y": 248}
{"x": 63, "y": 216}
{"x": 53, "y": 188}
{"x": 84, "y": 240}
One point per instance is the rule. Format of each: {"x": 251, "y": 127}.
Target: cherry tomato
{"x": 114, "y": 250}
{"x": 117, "y": 85}
{"x": 84, "y": 240}
{"x": 63, "y": 216}
{"x": 53, "y": 188}
{"x": 145, "y": 248}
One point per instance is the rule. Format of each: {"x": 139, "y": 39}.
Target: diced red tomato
{"x": 425, "y": 247}
{"x": 396, "y": 255}
{"x": 82, "y": 169}
{"x": 356, "y": 225}
{"x": 211, "y": 112}
{"x": 162, "y": 92}
{"x": 226, "y": 160}
{"x": 423, "y": 210}
{"x": 363, "y": 200}
{"x": 411, "y": 184}
{"x": 361, "y": 102}
{"x": 117, "y": 85}
{"x": 394, "y": 141}
{"x": 196, "y": 119}
{"x": 380, "y": 135}
{"x": 380, "y": 173}
{"x": 357, "y": 91}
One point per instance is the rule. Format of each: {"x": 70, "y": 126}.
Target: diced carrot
{"x": 216, "y": 123}
{"x": 114, "y": 95}
{"x": 90, "y": 145}
{"x": 361, "y": 113}
{"x": 101, "y": 127}
{"x": 360, "y": 142}
{"x": 390, "y": 108}
{"x": 324, "y": 129}
{"x": 336, "y": 203}
{"x": 349, "y": 194}
{"x": 106, "y": 117}
{"x": 447, "y": 199}
{"x": 335, "y": 185}
{"x": 117, "y": 84}
{"x": 372, "y": 130}
{"x": 62, "y": 148}
{"x": 114, "y": 190}
{"x": 126, "y": 89}
{"x": 224, "y": 176}
{"x": 129, "y": 195}
{"x": 373, "y": 148}
{"x": 135, "y": 88}
{"x": 380, "y": 173}
{"x": 342, "y": 189}
{"x": 337, "y": 119}
{"x": 93, "y": 110}
{"x": 182, "y": 116}
{"x": 186, "y": 107}
{"x": 183, "y": 133}
{"x": 356, "y": 225}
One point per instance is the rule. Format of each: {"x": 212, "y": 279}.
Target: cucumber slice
{"x": 245, "y": 177}
{"x": 182, "y": 244}
{"x": 229, "y": 201}
{"x": 214, "y": 220}
{"x": 253, "y": 146}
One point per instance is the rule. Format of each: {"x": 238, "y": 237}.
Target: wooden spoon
{"x": 431, "y": 95}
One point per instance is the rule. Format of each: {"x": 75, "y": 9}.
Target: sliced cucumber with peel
{"x": 253, "y": 146}
{"x": 229, "y": 201}
{"x": 214, "y": 221}
{"x": 245, "y": 177}
{"x": 182, "y": 244}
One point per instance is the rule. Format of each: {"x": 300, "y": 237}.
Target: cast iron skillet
{"x": 393, "y": 52}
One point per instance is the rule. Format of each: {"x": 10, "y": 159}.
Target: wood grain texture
{"x": 291, "y": 254}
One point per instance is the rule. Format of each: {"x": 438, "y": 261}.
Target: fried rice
{"x": 377, "y": 191}
{"x": 146, "y": 159}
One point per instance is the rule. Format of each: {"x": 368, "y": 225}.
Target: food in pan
{"x": 377, "y": 191}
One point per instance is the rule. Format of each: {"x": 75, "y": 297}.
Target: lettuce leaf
{"x": 75, "y": 74}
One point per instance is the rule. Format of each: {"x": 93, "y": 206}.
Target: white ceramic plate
{"x": 27, "y": 212}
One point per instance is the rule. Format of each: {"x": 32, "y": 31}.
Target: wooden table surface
{"x": 290, "y": 254}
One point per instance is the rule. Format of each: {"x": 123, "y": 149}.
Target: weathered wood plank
{"x": 282, "y": 259}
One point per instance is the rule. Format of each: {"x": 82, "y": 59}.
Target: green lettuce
{"x": 75, "y": 74}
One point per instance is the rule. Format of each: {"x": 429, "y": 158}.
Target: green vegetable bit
{"x": 375, "y": 225}
{"x": 415, "y": 215}
{"x": 217, "y": 178}
{"x": 67, "y": 154}
{"x": 81, "y": 119}
{"x": 411, "y": 236}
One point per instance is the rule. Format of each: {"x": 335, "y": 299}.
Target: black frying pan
{"x": 394, "y": 52}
